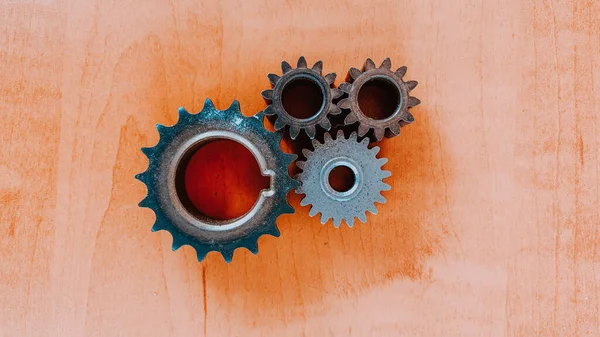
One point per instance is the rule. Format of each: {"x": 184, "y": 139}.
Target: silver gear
{"x": 361, "y": 197}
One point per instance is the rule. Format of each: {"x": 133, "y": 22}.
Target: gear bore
{"x": 349, "y": 203}
{"x": 397, "y": 114}
{"x": 321, "y": 92}
{"x": 168, "y": 198}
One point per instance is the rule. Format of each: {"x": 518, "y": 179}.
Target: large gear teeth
{"x": 342, "y": 206}
{"x": 221, "y": 122}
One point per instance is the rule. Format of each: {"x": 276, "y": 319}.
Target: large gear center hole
{"x": 379, "y": 98}
{"x": 302, "y": 98}
{"x": 341, "y": 178}
{"x": 220, "y": 179}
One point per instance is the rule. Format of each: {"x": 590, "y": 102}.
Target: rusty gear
{"x": 389, "y": 126}
{"x": 314, "y": 76}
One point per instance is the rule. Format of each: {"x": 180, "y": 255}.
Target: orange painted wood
{"x": 491, "y": 227}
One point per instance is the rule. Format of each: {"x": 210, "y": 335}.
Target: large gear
{"x": 384, "y": 76}
{"x": 360, "y": 197}
{"x": 166, "y": 190}
{"x": 313, "y": 77}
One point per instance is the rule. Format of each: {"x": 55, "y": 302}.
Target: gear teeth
{"x": 336, "y": 93}
{"x": 400, "y": 72}
{"x": 335, "y": 110}
{"x": 340, "y": 135}
{"x": 300, "y": 164}
{"x": 353, "y": 136}
{"x": 326, "y": 124}
{"x": 385, "y": 174}
{"x": 252, "y": 247}
{"x": 305, "y": 202}
{"x": 375, "y": 150}
{"x": 380, "y": 199}
{"x": 290, "y": 157}
{"x": 273, "y": 78}
{"x": 273, "y": 231}
{"x": 267, "y": 94}
{"x": 279, "y": 124}
{"x": 363, "y": 129}
{"x": 411, "y": 85}
{"x": 316, "y": 143}
{"x": 350, "y": 119}
{"x": 413, "y": 101}
{"x": 313, "y": 211}
{"x": 287, "y": 209}
{"x": 385, "y": 187}
{"x": 200, "y": 252}
{"x": 395, "y": 129}
{"x": 327, "y": 137}
{"x": 382, "y": 161}
{"x": 345, "y": 87}
{"x": 372, "y": 209}
{"x": 349, "y": 221}
{"x": 369, "y": 65}
{"x": 227, "y": 254}
{"x": 208, "y": 105}
{"x": 176, "y": 244}
{"x": 235, "y": 107}
{"x": 148, "y": 151}
{"x": 409, "y": 118}
{"x": 362, "y": 217}
{"x": 183, "y": 114}
{"x": 144, "y": 203}
{"x": 269, "y": 110}
{"x": 310, "y": 131}
{"x": 161, "y": 128}
{"x": 337, "y": 222}
{"x": 294, "y": 131}
{"x": 318, "y": 67}
{"x": 330, "y": 78}
{"x": 307, "y": 152}
{"x": 157, "y": 226}
{"x": 379, "y": 133}
{"x": 323, "y": 219}
{"x": 386, "y": 64}
{"x": 355, "y": 73}
{"x": 285, "y": 67}
{"x": 301, "y": 62}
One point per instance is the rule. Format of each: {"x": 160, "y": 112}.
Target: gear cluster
{"x": 373, "y": 102}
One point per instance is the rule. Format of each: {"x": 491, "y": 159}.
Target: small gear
{"x": 396, "y": 116}
{"x": 350, "y": 203}
{"x": 168, "y": 198}
{"x": 320, "y": 86}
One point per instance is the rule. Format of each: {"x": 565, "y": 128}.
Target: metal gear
{"x": 368, "y": 179}
{"x": 389, "y": 126}
{"x": 166, "y": 188}
{"x": 313, "y": 76}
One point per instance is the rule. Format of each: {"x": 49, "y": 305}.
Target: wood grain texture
{"x": 491, "y": 227}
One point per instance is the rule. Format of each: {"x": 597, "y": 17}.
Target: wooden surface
{"x": 492, "y": 225}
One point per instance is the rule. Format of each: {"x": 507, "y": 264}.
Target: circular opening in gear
{"x": 302, "y": 98}
{"x": 379, "y": 98}
{"x": 341, "y": 178}
{"x": 219, "y": 179}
